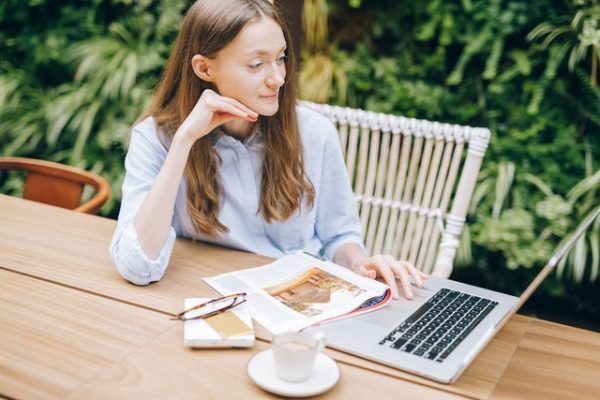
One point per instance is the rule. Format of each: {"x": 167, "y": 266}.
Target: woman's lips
{"x": 272, "y": 97}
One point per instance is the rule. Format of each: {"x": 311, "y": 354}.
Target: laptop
{"x": 438, "y": 333}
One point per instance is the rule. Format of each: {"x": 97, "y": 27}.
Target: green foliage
{"x": 528, "y": 231}
{"x": 512, "y": 234}
{"x": 318, "y": 71}
{"x": 474, "y": 62}
{"x": 89, "y": 72}
{"x": 577, "y": 33}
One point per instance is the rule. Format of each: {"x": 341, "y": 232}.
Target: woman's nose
{"x": 276, "y": 78}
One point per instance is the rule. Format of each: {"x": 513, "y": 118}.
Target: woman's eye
{"x": 255, "y": 65}
{"x": 281, "y": 60}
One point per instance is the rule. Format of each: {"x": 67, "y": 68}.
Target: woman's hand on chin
{"x": 212, "y": 110}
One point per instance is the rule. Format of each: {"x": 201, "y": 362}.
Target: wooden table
{"x": 72, "y": 327}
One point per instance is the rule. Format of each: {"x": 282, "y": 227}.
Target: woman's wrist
{"x": 348, "y": 254}
{"x": 183, "y": 138}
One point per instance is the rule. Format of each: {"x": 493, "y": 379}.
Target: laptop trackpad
{"x": 389, "y": 316}
{"x": 379, "y": 318}
{"x": 345, "y": 332}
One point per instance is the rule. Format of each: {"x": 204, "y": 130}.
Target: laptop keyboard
{"x": 439, "y": 325}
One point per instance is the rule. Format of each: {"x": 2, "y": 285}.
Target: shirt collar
{"x": 218, "y": 135}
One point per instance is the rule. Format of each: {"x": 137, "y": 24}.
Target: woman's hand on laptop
{"x": 353, "y": 256}
{"x": 389, "y": 269}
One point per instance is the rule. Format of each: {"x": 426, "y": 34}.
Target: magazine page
{"x": 299, "y": 290}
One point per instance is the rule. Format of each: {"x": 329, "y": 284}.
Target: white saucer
{"x": 261, "y": 369}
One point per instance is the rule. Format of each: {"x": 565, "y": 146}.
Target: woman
{"x": 259, "y": 173}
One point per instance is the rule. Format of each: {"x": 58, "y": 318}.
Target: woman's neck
{"x": 238, "y": 129}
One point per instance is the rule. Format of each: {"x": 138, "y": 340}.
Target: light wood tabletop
{"x": 62, "y": 257}
{"x": 58, "y": 342}
{"x": 53, "y": 339}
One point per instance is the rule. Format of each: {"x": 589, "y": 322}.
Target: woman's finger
{"x": 222, "y": 107}
{"x": 214, "y": 97}
{"x": 386, "y": 273}
{"x": 222, "y": 104}
{"x": 240, "y": 105}
{"x": 369, "y": 273}
{"x": 364, "y": 270}
{"x": 414, "y": 272}
{"x": 402, "y": 274}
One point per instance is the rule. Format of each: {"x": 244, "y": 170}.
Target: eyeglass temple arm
{"x": 197, "y": 306}
{"x": 210, "y": 314}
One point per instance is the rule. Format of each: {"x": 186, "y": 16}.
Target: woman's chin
{"x": 267, "y": 110}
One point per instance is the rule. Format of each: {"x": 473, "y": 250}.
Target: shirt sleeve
{"x": 142, "y": 164}
{"x": 337, "y": 221}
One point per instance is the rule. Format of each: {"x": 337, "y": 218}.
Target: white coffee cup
{"x": 295, "y": 354}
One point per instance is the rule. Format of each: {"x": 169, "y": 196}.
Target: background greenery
{"x": 74, "y": 75}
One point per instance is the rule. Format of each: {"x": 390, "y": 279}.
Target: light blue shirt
{"x": 332, "y": 222}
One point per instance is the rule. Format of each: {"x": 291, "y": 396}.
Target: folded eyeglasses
{"x": 212, "y": 307}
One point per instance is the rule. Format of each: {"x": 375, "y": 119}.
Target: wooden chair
{"x": 404, "y": 173}
{"x": 57, "y": 184}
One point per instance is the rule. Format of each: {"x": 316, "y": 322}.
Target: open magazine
{"x": 300, "y": 290}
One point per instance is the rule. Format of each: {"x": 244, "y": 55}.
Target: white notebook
{"x": 232, "y": 328}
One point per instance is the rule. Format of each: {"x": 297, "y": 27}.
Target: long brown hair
{"x": 207, "y": 28}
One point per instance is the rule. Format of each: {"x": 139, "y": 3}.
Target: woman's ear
{"x": 200, "y": 65}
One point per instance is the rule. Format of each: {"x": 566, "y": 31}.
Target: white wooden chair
{"x": 406, "y": 174}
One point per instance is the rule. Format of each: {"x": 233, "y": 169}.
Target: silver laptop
{"x": 438, "y": 333}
